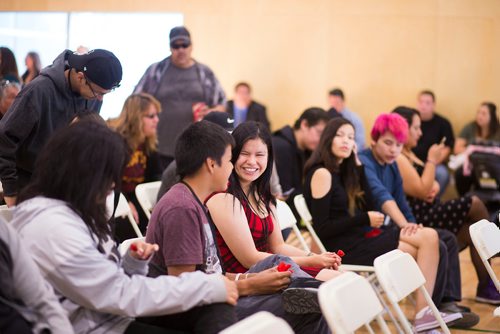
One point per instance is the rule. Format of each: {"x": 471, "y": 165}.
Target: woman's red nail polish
{"x": 340, "y": 253}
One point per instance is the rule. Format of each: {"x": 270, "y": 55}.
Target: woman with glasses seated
{"x": 137, "y": 124}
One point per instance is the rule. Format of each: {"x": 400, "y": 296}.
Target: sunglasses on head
{"x": 179, "y": 46}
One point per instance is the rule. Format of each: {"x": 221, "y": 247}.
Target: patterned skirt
{"x": 450, "y": 215}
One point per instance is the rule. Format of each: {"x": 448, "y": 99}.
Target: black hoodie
{"x": 290, "y": 161}
{"x": 41, "y": 107}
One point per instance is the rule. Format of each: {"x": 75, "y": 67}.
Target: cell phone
{"x": 288, "y": 192}
{"x": 387, "y": 220}
{"x": 442, "y": 140}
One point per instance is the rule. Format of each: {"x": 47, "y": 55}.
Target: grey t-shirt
{"x": 179, "y": 90}
{"x": 179, "y": 225}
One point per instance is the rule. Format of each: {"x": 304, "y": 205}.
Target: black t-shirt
{"x": 432, "y": 132}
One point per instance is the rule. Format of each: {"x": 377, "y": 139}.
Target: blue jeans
{"x": 442, "y": 177}
{"x": 301, "y": 323}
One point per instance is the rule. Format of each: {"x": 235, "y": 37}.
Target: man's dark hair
{"x": 428, "y": 92}
{"x": 407, "y": 113}
{"x": 243, "y": 84}
{"x": 337, "y": 92}
{"x": 79, "y": 165}
{"x": 200, "y": 141}
{"x": 312, "y": 116}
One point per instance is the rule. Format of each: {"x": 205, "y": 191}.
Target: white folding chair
{"x": 287, "y": 219}
{"x": 349, "y": 302}
{"x": 260, "y": 323}
{"x": 368, "y": 271}
{"x": 6, "y": 213}
{"x": 399, "y": 275}
{"x": 146, "y": 194}
{"x": 303, "y": 210}
{"x": 125, "y": 245}
{"x": 123, "y": 210}
{"x": 486, "y": 238}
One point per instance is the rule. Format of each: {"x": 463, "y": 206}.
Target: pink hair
{"x": 392, "y": 123}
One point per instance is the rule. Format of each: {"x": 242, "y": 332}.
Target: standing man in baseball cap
{"x": 186, "y": 89}
{"x": 73, "y": 85}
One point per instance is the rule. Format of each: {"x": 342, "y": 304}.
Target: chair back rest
{"x": 285, "y": 215}
{"x": 486, "y": 238}
{"x": 348, "y": 302}
{"x": 147, "y": 194}
{"x": 260, "y": 323}
{"x": 398, "y": 274}
{"x": 302, "y": 209}
{"x": 123, "y": 209}
{"x": 6, "y": 213}
{"x": 125, "y": 245}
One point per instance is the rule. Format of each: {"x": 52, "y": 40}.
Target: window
{"x": 137, "y": 39}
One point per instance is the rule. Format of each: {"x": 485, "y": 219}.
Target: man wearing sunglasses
{"x": 186, "y": 89}
{"x": 73, "y": 85}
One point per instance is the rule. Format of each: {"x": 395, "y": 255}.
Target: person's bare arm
{"x": 460, "y": 145}
{"x": 413, "y": 184}
{"x": 232, "y": 291}
{"x": 231, "y": 222}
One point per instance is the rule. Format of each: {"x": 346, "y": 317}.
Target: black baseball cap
{"x": 220, "y": 118}
{"x": 179, "y": 34}
{"x": 100, "y": 66}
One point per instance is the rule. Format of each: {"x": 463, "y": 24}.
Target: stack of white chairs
{"x": 486, "y": 238}
{"x": 260, "y": 323}
{"x": 348, "y": 302}
{"x": 146, "y": 194}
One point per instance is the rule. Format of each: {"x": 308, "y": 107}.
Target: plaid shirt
{"x": 212, "y": 89}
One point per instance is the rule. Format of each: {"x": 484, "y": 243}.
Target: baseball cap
{"x": 179, "y": 34}
{"x": 100, "y": 66}
{"x": 220, "y": 118}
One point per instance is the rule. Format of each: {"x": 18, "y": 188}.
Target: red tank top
{"x": 260, "y": 228}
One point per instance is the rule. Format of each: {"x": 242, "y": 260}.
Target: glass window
{"x": 137, "y": 39}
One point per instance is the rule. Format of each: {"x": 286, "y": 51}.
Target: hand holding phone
{"x": 288, "y": 192}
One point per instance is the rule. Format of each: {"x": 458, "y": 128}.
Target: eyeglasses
{"x": 179, "y": 46}
{"x": 96, "y": 94}
{"x": 6, "y": 83}
{"x": 151, "y": 116}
